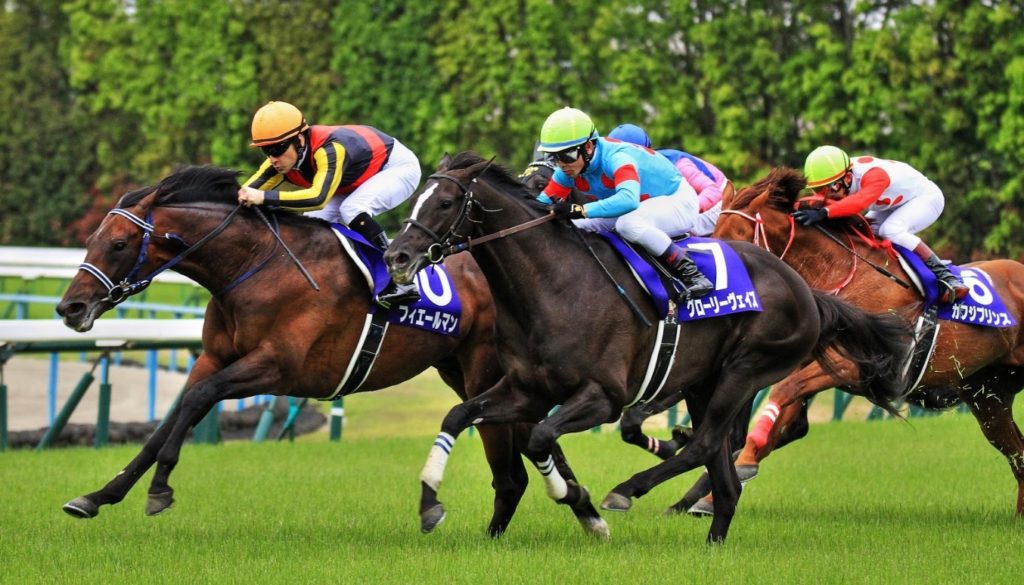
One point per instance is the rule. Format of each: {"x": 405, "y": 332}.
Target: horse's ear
{"x": 478, "y": 168}
{"x": 445, "y": 162}
{"x": 727, "y": 194}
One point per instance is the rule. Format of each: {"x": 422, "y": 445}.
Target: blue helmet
{"x": 631, "y": 133}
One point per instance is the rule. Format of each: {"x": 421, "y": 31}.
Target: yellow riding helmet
{"x": 825, "y": 165}
{"x": 275, "y": 122}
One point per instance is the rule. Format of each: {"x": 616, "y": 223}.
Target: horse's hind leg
{"x": 990, "y": 394}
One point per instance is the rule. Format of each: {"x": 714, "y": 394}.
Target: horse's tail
{"x": 876, "y": 344}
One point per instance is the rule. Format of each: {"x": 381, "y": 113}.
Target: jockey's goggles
{"x": 276, "y": 149}
{"x": 834, "y": 187}
{"x": 568, "y": 156}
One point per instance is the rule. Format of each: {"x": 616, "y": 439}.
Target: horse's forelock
{"x": 783, "y": 185}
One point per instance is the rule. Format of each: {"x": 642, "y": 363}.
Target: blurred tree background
{"x": 101, "y": 96}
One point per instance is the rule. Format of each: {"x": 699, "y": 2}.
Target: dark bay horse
{"x": 565, "y": 337}
{"x": 266, "y": 330}
{"x": 981, "y": 365}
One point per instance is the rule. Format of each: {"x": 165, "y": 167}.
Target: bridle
{"x": 761, "y": 240}
{"x": 760, "y": 235}
{"x": 131, "y": 284}
{"x": 453, "y": 242}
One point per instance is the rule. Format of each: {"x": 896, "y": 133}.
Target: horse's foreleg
{"x": 509, "y": 474}
{"x": 500, "y": 404}
{"x": 587, "y": 408}
{"x": 631, "y": 430}
{"x": 87, "y": 506}
{"x": 116, "y": 489}
{"x": 239, "y": 380}
{"x": 783, "y": 406}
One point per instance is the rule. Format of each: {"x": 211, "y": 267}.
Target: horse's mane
{"x": 190, "y": 184}
{"x": 783, "y": 185}
{"x": 495, "y": 173}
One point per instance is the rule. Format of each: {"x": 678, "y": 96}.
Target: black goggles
{"x": 834, "y": 187}
{"x": 568, "y": 156}
{"x": 276, "y": 149}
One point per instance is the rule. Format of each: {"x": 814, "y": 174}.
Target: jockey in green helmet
{"x": 632, "y": 190}
{"x": 899, "y": 202}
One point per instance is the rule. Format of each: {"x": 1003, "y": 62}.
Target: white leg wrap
{"x": 433, "y": 470}
{"x": 556, "y": 486}
{"x": 770, "y": 411}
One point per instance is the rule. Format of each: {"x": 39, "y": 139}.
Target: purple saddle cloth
{"x": 982, "y": 305}
{"x": 438, "y": 309}
{"x": 734, "y": 291}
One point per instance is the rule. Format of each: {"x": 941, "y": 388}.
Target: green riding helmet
{"x": 825, "y": 165}
{"x": 564, "y": 129}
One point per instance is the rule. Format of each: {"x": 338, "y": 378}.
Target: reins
{"x": 441, "y": 248}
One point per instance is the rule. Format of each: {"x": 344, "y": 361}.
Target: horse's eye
{"x": 120, "y": 245}
{"x": 446, "y": 203}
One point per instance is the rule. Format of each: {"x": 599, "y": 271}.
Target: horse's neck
{"x": 525, "y": 270}
{"x": 215, "y": 264}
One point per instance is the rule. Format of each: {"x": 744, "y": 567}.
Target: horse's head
{"x": 113, "y": 254}
{"x": 450, "y": 208}
{"x": 537, "y": 175}
{"x": 762, "y": 207}
{"x": 440, "y": 217}
{"x": 122, "y": 255}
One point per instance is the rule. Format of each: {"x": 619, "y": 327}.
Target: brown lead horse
{"x": 567, "y": 339}
{"x": 984, "y": 366}
{"x": 266, "y": 329}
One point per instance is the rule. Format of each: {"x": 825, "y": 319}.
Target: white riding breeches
{"x": 901, "y": 223}
{"x": 650, "y": 224}
{"x": 394, "y": 183}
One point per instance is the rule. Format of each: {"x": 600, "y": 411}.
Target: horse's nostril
{"x": 70, "y": 309}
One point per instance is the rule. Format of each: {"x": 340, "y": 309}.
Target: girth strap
{"x": 662, "y": 358}
{"x": 365, "y": 354}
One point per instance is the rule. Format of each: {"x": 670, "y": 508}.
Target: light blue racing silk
{"x": 619, "y": 177}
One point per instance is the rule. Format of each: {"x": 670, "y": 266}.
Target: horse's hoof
{"x": 431, "y": 518}
{"x": 157, "y": 503}
{"x": 747, "y": 472}
{"x": 614, "y": 502}
{"x": 703, "y": 507}
{"x": 82, "y": 507}
{"x": 595, "y": 526}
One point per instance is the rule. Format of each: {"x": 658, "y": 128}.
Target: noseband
{"x": 117, "y": 293}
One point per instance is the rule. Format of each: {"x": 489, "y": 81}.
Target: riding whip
{"x": 302, "y": 268}
{"x": 880, "y": 270}
{"x": 618, "y": 287}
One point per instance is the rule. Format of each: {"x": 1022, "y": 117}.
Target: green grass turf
{"x": 856, "y": 502}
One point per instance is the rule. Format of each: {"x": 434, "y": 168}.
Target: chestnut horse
{"x": 566, "y": 338}
{"x": 267, "y": 331}
{"x": 982, "y": 365}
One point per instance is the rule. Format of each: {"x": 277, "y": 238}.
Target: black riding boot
{"x": 955, "y": 288}
{"x": 393, "y": 293}
{"x": 681, "y": 266}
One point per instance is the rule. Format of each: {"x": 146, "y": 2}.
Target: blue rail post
{"x": 103, "y": 409}
{"x": 266, "y": 421}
